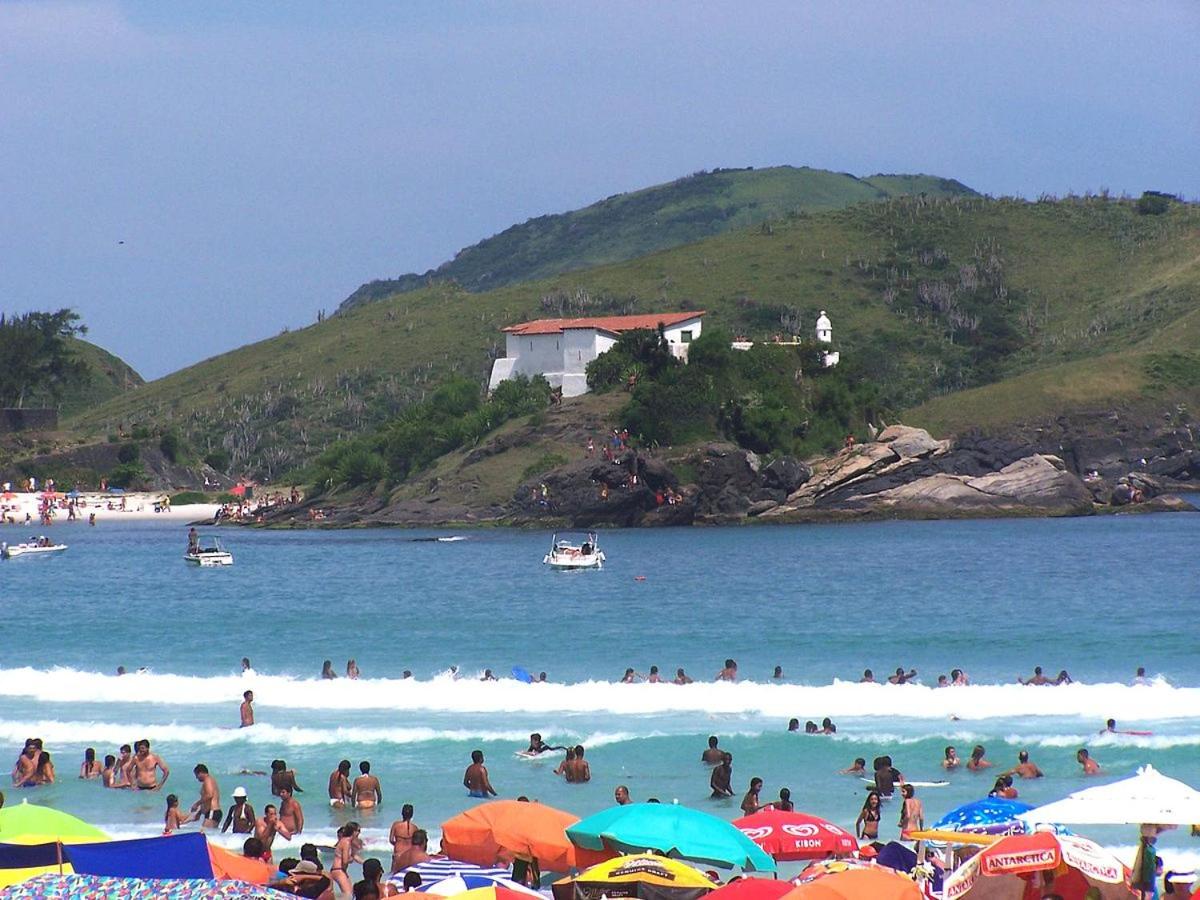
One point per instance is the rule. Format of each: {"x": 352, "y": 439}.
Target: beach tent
{"x": 676, "y": 831}
{"x": 227, "y": 865}
{"x": 508, "y": 829}
{"x": 795, "y": 835}
{"x": 1008, "y": 868}
{"x": 72, "y": 887}
{"x": 170, "y": 856}
{"x": 642, "y": 876}
{"x": 1145, "y": 798}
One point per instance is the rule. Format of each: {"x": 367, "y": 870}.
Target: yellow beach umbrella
{"x": 27, "y": 825}
{"x": 641, "y": 875}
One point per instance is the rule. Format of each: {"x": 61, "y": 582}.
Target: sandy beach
{"x": 23, "y": 508}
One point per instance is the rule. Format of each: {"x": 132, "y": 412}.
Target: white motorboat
{"x": 564, "y": 554}
{"x": 207, "y": 557}
{"x": 30, "y": 548}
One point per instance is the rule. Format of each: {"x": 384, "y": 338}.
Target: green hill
{"x": 626, "y": 226}
{"x": 108, "y": 377}
{"x": 970, "y": 310}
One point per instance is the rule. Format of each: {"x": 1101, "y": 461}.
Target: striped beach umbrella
{"x": 439, "y": 868}
{"x": 461, "y": 883}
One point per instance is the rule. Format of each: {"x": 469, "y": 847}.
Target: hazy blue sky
{"x": 262, "y": 160}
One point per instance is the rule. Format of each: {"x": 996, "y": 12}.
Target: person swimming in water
{"x": 367, "y": 792}
{"x": 713, "y": 755}
{"x": 859, "y": 768}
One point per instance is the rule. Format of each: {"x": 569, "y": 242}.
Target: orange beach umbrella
{"x": 866, "y": 883}
{"x": 506, "y": 829}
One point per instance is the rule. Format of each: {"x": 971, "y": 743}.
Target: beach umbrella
{"x": 795, "y": 835}
{"x": 230, "y": 866}
{"x": 850, "y": 882}
{"x": 1011, "y": 866}
{"x": 752, "y": 889}
{"x": 1145, "y": 798}
{"x": 509, "y": 829}
{"x": 439, "y": 868}
{"x": 673, "y": 830}
{"x": 101, "y": 887}
{"x": 74, "y": 495}
{"x": 642, "y": 876}
{"x": 492, "y": 893}
{"x": 460, "y": 884}
{"x": 991, "y": 815}
{"x": 28, "y": 823}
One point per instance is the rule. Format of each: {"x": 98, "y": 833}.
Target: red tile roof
{"x": 615, "y": 324}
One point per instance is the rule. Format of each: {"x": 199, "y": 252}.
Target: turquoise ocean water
{"x": 1098, "y": 597}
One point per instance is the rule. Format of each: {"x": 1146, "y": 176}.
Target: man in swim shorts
{"x": 267, "y": 827}
{"x": 291, "y": 815}
{"x": 208, "y": 808}
{"x": 475, "y": 778}
{"x": 366, "y": 790}
{"x": 145, "y": 766}
{"x": 339, "y": 785}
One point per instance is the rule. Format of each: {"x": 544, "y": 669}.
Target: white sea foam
{"x": 1094, "y": 702}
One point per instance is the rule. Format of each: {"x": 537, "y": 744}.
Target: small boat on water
{"x": 206, "y": 557}
{"x": 32, "y": 547}
{"x": 567, "y": 555}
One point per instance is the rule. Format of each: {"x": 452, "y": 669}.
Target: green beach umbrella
{"x": 675, "y": 831}
{"x": 28, "y": 823}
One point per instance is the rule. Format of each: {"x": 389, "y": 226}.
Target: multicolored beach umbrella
{"x": 461, "y": 883}
{"x": 439, "y": 868}
{"x": 991, "y": 815}
{"x": 99, "y": 887}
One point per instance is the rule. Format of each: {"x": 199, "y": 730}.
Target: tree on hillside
{"x": 37, "y": 361}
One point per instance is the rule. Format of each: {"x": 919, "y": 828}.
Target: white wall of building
{"x": 563, "y": 356}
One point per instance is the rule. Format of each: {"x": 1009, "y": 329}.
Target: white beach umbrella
{"x": 1147, "y": 798}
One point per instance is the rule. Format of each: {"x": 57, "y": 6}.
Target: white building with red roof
{"x": 560, "y": 349}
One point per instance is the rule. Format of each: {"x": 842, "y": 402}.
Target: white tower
{"x": 824, "y": 329}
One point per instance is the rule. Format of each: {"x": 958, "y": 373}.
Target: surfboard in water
{"x": 521, "y": 675}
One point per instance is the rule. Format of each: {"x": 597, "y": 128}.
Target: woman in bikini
{"x": 91, "y": 767}
{"x": 282, "y": 776}
{"x": 45, "y": 770}
{"x": 867, "y": 824}
{"x": 401, "y": 839}
{"x": 912, "y": 813}
{"x": 344, "y": 853}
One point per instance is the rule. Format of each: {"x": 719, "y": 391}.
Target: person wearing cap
{"x": 302, "y": 878}
{"x": 240, "y": 815}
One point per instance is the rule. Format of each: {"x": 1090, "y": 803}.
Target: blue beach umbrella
{"x": 991, "y": 815}
{"x": 675, "y": 831}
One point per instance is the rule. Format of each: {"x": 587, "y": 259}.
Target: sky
{"x": 193, "y": 176}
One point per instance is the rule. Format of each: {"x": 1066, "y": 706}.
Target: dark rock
{"x": 761, "y": 506}
{"x": 786, "y": 474}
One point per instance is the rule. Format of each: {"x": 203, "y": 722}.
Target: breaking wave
{"x": 444, "y": 693}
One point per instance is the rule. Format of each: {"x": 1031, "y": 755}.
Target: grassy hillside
{"x": 109, "y": 376}
{"x": 933, "y": 299}
{"x": 626, "y": 226}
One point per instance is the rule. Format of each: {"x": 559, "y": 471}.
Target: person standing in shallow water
{"x": 327, "y": 670}
{"x": 340, "y": 790}
{"x": 714, "y": 754}
{"x": 475, "y": 778}
{"x": 721, "y": 780}
{"x": 247, "y": 709}
{"x": 400, "y": 836}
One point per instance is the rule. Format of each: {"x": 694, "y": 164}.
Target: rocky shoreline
{"x": 903, "y": 474}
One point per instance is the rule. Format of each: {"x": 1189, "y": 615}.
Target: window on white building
{"x": 685, "y": 337}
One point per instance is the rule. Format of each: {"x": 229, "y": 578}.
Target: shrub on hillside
{"x": 170, "y": 444}
{"x": 128, "y": 453}
{"x": 1153, "y": 203}
{"x": 186, "y": 498}
{"x": 127, "y": 475}
{"x": 218, "y": 459}
{"x": 643, "y": 352}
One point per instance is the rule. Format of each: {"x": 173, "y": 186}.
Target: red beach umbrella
{"x": 795, "y": 835}
{"x": 752, "y": 889}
